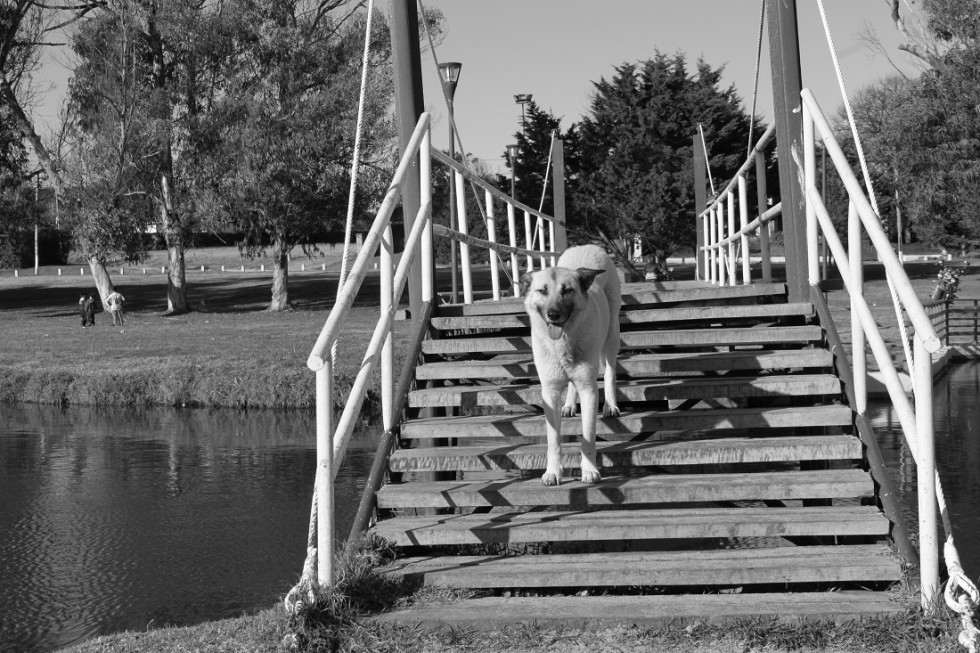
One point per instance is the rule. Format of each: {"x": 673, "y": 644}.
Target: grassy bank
{"x": 228, "y": 351}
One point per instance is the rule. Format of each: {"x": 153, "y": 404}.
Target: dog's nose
{"x": 553, "y": 314}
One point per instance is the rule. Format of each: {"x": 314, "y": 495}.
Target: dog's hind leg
{"x": 610, "y": 351}
{"x": 550, "y": 397}
{"x": 589, "y": 395}
{"x": 571, "y": 398}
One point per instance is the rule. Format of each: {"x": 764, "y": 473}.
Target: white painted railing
{"x": 332, "y": 440}
{"x": 726, "y": 244}
{"x": 917, "y": 419}
{"x": 541, "y": 238}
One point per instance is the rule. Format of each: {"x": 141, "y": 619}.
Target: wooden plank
{"x": 712, "y": 337}
{"x": 641, "y": 316}
{"x": 616, "y": 491}
{"x": 632, "y": 422}
{"x": 522, "y": 366}
{"x": 495, "y": 613}
{"x": 619, "y": 525}
{"x": 633, "y": 294}
{"x": 631, "y": 454}
{"x": 789, "y": 564}
{"x": 795, "y": 385}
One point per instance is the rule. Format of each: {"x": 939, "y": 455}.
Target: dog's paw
{"x": 591, "y": 477}
{"x": 610, "y": 410}
{"x": 551, "y": 478}
{"x": 568, "y": 411}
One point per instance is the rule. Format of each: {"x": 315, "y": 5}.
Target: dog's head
{"x": 556, "y": 294}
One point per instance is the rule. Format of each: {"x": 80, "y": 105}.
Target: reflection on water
{"x": 957, "y": 415}
{"x": 114, "y": 521}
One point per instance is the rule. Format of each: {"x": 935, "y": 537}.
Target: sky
{"x": 556, "y": 49}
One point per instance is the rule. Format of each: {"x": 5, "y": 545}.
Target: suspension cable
{"x": 755, "y": 85}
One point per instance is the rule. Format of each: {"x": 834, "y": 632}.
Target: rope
{"x": 707, "y": 164}
{"x": 304, "y": 592}
{"x": 755, "y": 85}
{"x": 961, "y": 594}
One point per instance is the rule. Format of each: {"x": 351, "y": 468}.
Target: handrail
{"x": 763, "y": 219}
{"x": 916, "y": 419}
{"x": 872, "y": 224}
{"x": 468, "y": 175}
{"x": 760, "y": 145}
{"x": 346, "y": 295}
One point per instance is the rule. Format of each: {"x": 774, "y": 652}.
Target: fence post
{"x": 926, "y": 476}
{"x": 324, "y": 473}
{"x": 464, "y": 249}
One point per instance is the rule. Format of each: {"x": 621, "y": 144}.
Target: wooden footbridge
{"x": 742, "y": 477}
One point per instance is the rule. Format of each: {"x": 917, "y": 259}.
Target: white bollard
{"x": 163, "y": 270}
{"x": 59, "y": 272}
{"x": 16, "y": 273}
{"x": 324, "y": 267}
{"x": 302, "y": 267}
{"x": 202, "y": 268}
{"x": 262, "y": 267}
{"x": 122, "y": 271}
{"x": 81, "y": 271}
{"x": 243, "y": 268}
{"x": 222, "y": 268}
{"x": 144, "y": 270}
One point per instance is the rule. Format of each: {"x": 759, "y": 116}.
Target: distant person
{"x": 86, "y": 308}
{"x": 115, "y": 303}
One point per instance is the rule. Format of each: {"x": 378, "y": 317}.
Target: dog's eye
{"x": 543, "y": 290}
{"x": 566, "y": 289}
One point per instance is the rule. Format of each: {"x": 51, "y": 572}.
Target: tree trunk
{"x": 174, "y": 234}
{"x": 26, "y": 128}
{"x": 101, "y": 277}
{"x": 280, "y": 277}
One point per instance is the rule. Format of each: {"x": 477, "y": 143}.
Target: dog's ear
{"x": 526, "y": 283}
{"x": 587, "y": 276}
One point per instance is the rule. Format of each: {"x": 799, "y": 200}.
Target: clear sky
{"x": 555, "y": 49}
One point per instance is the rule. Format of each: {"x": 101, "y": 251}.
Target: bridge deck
{"x": 733, "y": 483}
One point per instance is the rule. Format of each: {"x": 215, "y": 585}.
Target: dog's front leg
{"x": 589, "y": 399}
{"x": 551, "y": 396}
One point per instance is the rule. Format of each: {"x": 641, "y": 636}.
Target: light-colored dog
{"x": 574, "y": 311}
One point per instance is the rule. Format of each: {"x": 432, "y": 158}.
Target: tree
{"x": 636, "y": 151}
{"x": 284, "y": 124}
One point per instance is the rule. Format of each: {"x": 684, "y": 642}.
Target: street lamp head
{"x": 522, "y": 98}
{"x": 512, "y": 153}
{"x": 450, "y": 73}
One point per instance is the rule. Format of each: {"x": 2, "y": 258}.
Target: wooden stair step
{"x": 712, "y": 337}
{"x": 631, "y": 454}
{"x": 495, "y": 613}
{"x": 620, "y": 525}
{"x": 634, "y": 294}
{"x": 638, "y": 364}
{"x": 727, "y": 567}
{"x": 615, "y": 490}
{"x": 656, "y": 389}
{"x": 641, "y": 316}
{"x": 630, "y": 423}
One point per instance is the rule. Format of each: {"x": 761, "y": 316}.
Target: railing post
{"x": 743, "y": 215}
{"x": 762, "y": 199}
{"x": 712, "y": 239}
{"x": 732, "y": 261}
{"x": 324, "y": 474}
{"x": 809, "y": 176}
{"x": 720, "y": 216}
{"x": 464, "y": 249}
{"x": 926, "y": 476}
{"x": 542, "y": 247}
{"x": 703, "y": 257}
{"x": 528, "y": 241}
{"x": 492, "y": 237}
{"x": 858, "y": 358}
{"x": 559, "y": 238}
{"x": 515, "y": 267}
{"x": 386, "y": 273}
{"x": 425, "y": 182}
{"x": 700, "y": 203}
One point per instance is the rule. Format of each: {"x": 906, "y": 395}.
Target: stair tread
{"x": 632, "y": 364}
{"x": 630, "y": 422}
{"x": 492, "y": 613}
{"x": 655, "y": 389}
{"x": 639, "y": 339}
{"x": 620, "y": 454}
{"x": 633, "y": 524}
{"x": 618, "y": 490}
{"x": 641, "y": 316}
{"x": 746, "y": 566}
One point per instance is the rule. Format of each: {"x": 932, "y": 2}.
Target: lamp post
{"x": 523, "y": 99}
{"x": 512, "y": 157}
{"x": 449, "y": 72}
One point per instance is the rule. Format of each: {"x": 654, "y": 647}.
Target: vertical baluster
{"x": 542, "y": 246}
{"x": 762, "y": 199}
{"x": 713, "y": 221}
{"x": 706, "y": 254}
{"x": 324, "y": 474}
{"x": 492, "y": 237}
{"x": 425, "y": 181}
{"x": 859, "y": 359}
{"x": 720, "y": 216}
{"x": 551, "y": 242}
{"x": 743, "y": 216}
{"x": 732, "y": 263}
{"x": 515, "y": 267}
{"x": 926, "y": 477}
{"x": 809, "y": 176}
{"x": 386, "y": 272}
{"x": 528, "y": 241}
{"x": 464, "y": 249}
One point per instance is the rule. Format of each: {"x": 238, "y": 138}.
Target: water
{"x": 123, "y": 520}
{"x": 956, "y": 401}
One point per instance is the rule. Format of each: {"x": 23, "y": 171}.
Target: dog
{"x": 574, "y": 314}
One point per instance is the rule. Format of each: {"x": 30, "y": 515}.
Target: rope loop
{"x": 303, "y": 594}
